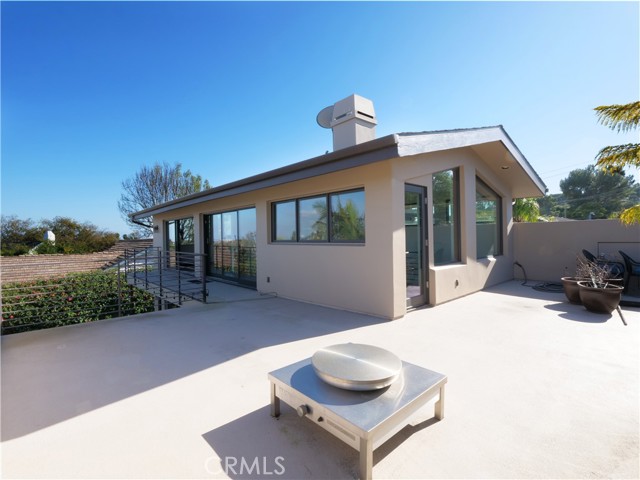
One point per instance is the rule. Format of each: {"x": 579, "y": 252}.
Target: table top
{"x": 363, "y": 409}
{"x": 354, "y": 366}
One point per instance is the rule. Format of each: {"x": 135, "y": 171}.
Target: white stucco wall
{"x": 354, "y": 277}
{"x": 448, "y": 282}
{"x": 370, "y": 277}
{"x": 548, "y": 251}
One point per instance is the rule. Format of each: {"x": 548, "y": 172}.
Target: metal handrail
{"x": 169, "y": 275}
{"x": 67, "y": 292}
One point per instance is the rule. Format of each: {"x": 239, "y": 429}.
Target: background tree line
{"x": 20, "y": 236}
{"x": 602, "y": 190}
{"x": 591, "y": 193}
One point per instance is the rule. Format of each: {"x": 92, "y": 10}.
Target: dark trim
{"x": 370, "y": 152}
{"x": 499, "y": 222}
{"x": 384, "y": 148}
{"x": 457, "y": 230}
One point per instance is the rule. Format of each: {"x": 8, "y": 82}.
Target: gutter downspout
{"x": 133, "y": 220}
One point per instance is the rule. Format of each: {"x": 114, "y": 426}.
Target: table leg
{"x": 440, "y": 405}
{"x": 366, "y": 459}
{"x": 275, "y": 402}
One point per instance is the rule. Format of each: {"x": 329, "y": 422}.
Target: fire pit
{"x": 358, "y": 393}
{"x": 355, "y": 366}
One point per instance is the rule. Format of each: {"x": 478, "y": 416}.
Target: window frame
{"x": 173, "y": 224}
{"x": 499, "y": 223}
{"x": 327, "y": 196}
{"x": 455, "y": 217}
{"x": 299, "y": 239}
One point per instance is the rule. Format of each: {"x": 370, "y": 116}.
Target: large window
{"x": 334, "y": 217}
{"x": 446, "y": 217}
{"x": 488, "y": 221}
{"x": 285, "y": 228}
{"x": 312, "y": 219}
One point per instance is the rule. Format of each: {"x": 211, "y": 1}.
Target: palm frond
{"x": 631, "y": 215}
{"x": 526, "y": 210}
{"x": 619, "y": 117}
{"x": 618, "y": 156}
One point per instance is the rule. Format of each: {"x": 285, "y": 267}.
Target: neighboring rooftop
{"x": 32, "y": 267}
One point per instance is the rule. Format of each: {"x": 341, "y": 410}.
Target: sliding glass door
{"x": 230, "y": 239}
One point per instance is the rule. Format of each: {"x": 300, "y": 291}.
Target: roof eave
{"x": 375, "y": 150}
{"x": 416, "y": 143}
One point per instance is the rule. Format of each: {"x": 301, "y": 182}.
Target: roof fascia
{"x": 416, "y": 143}
{"x": 377, "y": 150}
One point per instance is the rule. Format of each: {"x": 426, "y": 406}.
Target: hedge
{"x": 74, "y": 298}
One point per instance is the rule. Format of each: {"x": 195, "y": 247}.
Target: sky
{"x": 92, "y": 91}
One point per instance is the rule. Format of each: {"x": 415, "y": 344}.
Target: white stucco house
{"x": 379, "y": 225}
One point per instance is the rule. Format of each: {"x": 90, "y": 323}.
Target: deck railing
{"x": 234, "y": 263}
{"x": 71, "y": 291}
{"x": 169, "y": 275}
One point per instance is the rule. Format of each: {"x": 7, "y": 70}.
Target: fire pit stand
{"x": 362, "y": 419}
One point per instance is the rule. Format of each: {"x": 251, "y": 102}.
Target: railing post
{"x": 146, "y": 270}
{"x": 160, "y": 269}
{"x": 179, "y": 279}
{"x": 135, "y": 274}
{"x": 203, "y": 276}
{"x": 119, "y": 286}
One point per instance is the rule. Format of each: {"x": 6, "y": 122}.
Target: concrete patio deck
{"x": 538, "y": 388}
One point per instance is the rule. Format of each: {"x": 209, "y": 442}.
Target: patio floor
{"x": 538, "y": 388}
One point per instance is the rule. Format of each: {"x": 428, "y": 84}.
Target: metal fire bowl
{"x": 354, "y": 366}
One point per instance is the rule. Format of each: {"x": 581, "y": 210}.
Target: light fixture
{"x": 504, "y": 167}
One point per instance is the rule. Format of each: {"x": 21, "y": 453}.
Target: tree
{"x": 19, "y": 236}
{"x": 622, "y": 118}
{"x": 151, "y": 186}
{"x": 553, "y": 205}
{"x": 594, "y": 193}
{"x": 76, "y": 237}
{"x": 526, "y": 210}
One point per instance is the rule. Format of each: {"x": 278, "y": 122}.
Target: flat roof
{"x": 384, "y": 148}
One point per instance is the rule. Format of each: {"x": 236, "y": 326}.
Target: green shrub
{"x": 74, "y": 298}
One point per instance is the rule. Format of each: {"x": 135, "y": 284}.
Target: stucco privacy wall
{"x": 356, "y": 277}
{"x": 448, "y": 282}
{"x": 547, "y": 251}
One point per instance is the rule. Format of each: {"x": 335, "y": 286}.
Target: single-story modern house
{"x": 379, "y": 225}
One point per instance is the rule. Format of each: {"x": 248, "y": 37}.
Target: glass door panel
{"x": 230, "y": 244}
{"x": 247, "y": 244}
{"x": 415, "y": 241}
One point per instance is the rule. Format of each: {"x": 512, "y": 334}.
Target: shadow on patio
{"x": 49, "y": 376}
{"x": 537, "y": 388}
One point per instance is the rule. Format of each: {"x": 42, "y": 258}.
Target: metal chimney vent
{"x": 352, "y": 120}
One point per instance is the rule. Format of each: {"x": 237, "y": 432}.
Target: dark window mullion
{"x": 297, "y": 219}
{"x": 329, "y": 219}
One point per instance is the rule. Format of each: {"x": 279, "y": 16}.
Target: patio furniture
{"x": 589, "y": 256}
{"x": 362, "y": 419}
{"x": 632, "y": 268}
{"x": 615, "y": 269}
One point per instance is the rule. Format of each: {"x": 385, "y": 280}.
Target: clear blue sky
{"x": 92, "y": 91}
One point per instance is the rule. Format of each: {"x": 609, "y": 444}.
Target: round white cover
{"x": 355, "y": 366}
